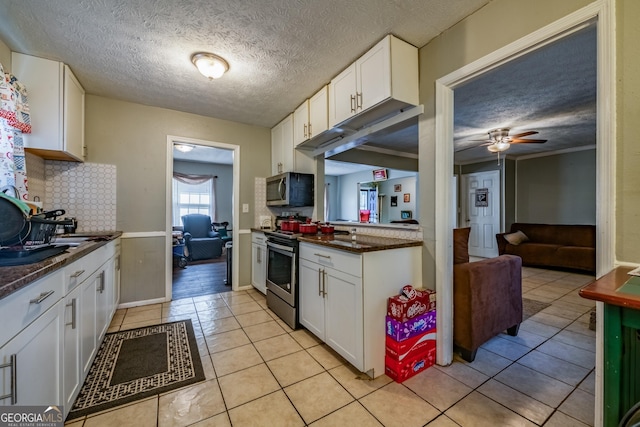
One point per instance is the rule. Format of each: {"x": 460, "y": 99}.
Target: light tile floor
{"x": 259, "y": 372}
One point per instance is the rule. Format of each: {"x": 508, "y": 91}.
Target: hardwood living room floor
{"x": 200, "y": 278}
{"x": 261, "y": 372}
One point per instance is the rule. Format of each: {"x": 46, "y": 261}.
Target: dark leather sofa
{"x": 571, "y": 247}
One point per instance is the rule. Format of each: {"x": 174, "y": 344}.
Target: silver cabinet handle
{"x": 73, "y": 306}
{"x": 259, "y": 257}
{"x": 13, "y": 392}
{"x": 77, "y": 274}
{"x": 305, "y": 130}
{"x": 101, "y": 287}
{"x": 353, "y": 103}
{"x": 359, "y": 97}
{"x": 43, "y": 296}
{"x": 323, "y": 256}
{"x": 324, "y": 283}
{"x": 319, "y": 280}
{"x": 309, "y": 130}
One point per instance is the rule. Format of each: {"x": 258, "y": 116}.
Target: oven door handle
{"x": 280, "y": 247}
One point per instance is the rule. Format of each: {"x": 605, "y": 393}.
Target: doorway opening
{"x": 444, "y": 125}
{"x": 202, "y": 215}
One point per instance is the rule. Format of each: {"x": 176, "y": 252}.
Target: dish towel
{"x": 14, "y": 122}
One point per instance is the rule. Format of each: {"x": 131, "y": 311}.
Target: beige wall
{"x": 5, "y": 56}
{"x": 134, "y": 138}
{"x": 465, "y": 42}
{"x": 628, "y": 128}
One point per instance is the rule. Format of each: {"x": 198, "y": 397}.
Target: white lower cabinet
{"x": 63, "y": 317}
{"x": 331, "y": 307}
{"x": 343, "y": 298}
{"x": 72, "y": 366}
{"x": 34, "y": 359}
{"x": 259, "y": 261}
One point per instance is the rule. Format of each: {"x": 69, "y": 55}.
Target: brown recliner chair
{"x": 487, "y": 296}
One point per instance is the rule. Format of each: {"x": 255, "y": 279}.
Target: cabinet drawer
{"x": 258, "y": 238}
{"x": 346, "y": 262}
{"x": 78, "y": 271}
{"x": 26, "y": 305}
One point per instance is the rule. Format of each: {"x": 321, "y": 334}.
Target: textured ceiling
{"x": 280, "y": 51}
{"x": 551, "y": 90}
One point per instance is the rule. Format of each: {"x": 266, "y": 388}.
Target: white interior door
{"x": 481, "y": 211}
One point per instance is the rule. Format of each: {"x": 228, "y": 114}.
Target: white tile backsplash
{"x": 86, "y": 191}
{"x": 35, "y": 176}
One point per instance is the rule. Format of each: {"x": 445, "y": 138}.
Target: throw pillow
{"x": 516, "y": 238}
{"x": 461, "y": 245}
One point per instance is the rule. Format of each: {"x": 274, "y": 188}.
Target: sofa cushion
{"x": 516, "y": 238}
{"x": 461, "y": 245}
{"x": 540, "y": 254}
{"x": 577, "y": 257}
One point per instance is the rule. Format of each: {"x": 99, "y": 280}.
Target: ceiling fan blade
{"x": 520, "y": 135}
{"x": 527, "y": 141}
{"x": 480, "y": 140}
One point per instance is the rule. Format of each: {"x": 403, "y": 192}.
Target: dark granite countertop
{"x": 17, "y": 277}
{"x": 363, "y": 243}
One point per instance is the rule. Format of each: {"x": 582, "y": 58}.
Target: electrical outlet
{"x": 245, "y": 207}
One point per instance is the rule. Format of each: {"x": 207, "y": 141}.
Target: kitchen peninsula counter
{"x": 363, "y": 242}
{"x": 14, "y": 278}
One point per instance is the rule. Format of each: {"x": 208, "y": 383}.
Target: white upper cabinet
{"x": 312, "y": 117}
{"x": 388, "y": 71}
{"x": 284, "y": 157}
{"x": 56, "y": 104}
{"x": 282, "y": 146}
{"x": 301, "y": 123}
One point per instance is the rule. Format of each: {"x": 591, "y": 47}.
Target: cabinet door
{"x": 259, "y": 267}
{"x": 287, "y": 144}
{"x": 276, "y": 149}
{"x": 374, "y": 75}
{"x": 319, "y": 112}
{"x": 88, "y": 304}
{"x": 342, "y": 96}
{"x": 73, "y": 115}
{"x": 311, "y": 297}
{"x": 115, "y": 295}
{"x": 43, "y": 79}
{"x": 344, "y": 325}
{"x": 301, "y": 123}
{"x": 103, "y": 299}
{"x": 38, "y": 362}
{"x": 72, "y": 370}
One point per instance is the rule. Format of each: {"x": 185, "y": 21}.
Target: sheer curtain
{"x": 193, "y": 194}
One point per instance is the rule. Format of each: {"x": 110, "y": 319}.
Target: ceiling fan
{"x": 499, "y": 140}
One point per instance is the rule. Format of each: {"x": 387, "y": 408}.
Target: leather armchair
{"x": 201, "y": 240}
{"x": 487, "y": 297}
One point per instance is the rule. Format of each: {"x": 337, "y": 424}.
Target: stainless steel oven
{"x": 282, "y": 276}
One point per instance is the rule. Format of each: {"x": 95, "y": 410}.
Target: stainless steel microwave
{"x": 290, "y": 189}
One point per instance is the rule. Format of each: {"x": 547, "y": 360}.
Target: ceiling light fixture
{"x": 210, "y": 65}
{"x": 184, "y": 148}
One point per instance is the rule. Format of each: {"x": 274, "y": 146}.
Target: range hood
{"x": 348, "y": 136}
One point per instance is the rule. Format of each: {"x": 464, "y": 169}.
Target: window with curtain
{"x": 193, "y": 194}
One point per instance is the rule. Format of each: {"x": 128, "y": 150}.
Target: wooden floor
{"x": 200, "y": 278}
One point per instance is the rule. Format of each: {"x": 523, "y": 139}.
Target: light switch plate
{"x": 245, "y": 207}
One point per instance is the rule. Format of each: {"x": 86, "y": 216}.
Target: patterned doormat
{"x": 138, "y": 363}
{"x": 531, "y": 307}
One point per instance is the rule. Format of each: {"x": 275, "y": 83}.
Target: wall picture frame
{"x": 406, "y": 214}
{"x": 380, "y": 175}
{"x": 397, "y": 188}
{"x": 407, "y": 197}
{"x": 394, "y": 201}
